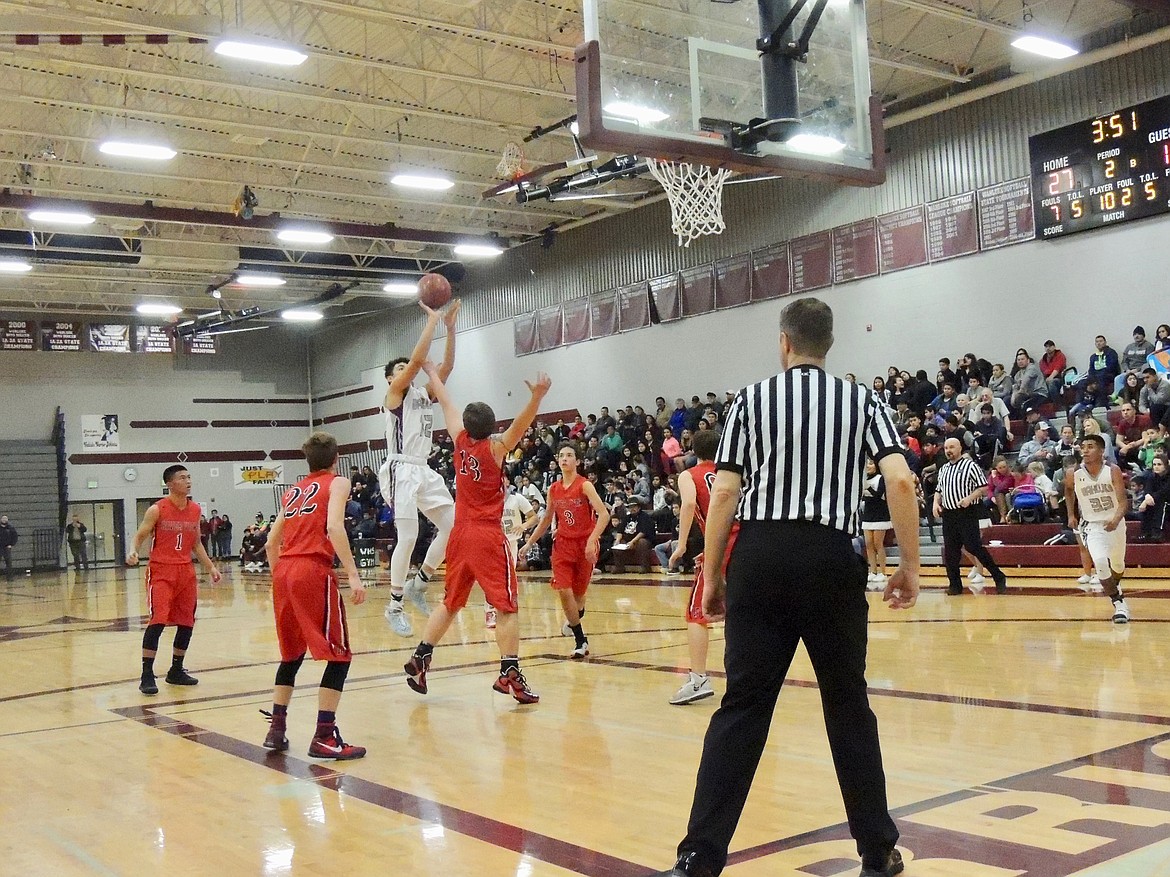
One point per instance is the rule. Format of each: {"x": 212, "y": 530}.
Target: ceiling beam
{"x": 963, "y": 16}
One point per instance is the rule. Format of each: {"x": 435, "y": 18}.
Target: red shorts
{"x": 171, "y": 593}
{"x": 480, "y": 553}
{"x": 309, "y": 613}
{"x": 694, "y": 614}
{"x": 570, "y": 567}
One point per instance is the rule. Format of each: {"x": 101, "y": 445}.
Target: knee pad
{"x": 183, "y": 637}
{"x": 151, "y": 636}
{"x": 334, "y": 675}
{"x": 286, "y": 673}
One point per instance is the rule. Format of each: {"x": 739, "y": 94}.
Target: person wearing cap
{"x": 1103, "y": 363}
{"x": 1133, "y": 357}
{"x": 1052, "y": 365}
{"x": 634, "y": 543}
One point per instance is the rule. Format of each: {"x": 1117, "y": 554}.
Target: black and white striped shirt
{"x": 799, "y": 441}
{"x": 957, "y": 479}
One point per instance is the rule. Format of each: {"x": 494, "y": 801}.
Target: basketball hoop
{"x": 513, "y": 160}
{"x": 696, "y": 197}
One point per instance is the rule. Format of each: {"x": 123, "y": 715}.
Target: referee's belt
{"x": 405, "y": 458}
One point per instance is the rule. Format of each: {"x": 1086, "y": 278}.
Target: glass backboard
{"x": 686, "y": 80}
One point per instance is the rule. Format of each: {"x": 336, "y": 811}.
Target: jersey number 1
{"x": 468, "y": 465}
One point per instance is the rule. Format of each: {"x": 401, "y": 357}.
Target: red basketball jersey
{"x": 479, "y": 482}
{"x": 176, "y": 533}
{"x": 574, "y": 515}
{"x": 305, "y": 507}
{"x": 704, "y": 477}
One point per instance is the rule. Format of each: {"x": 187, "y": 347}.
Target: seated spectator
{"x": 577, "y": 429}
{"x": 945, "y": 375}
{"x": 713, "y": 404}
{"x": 1052, "y": 365}
{"x": 671, "y": 451}
{"x": 964, "y": 407}
{"x": 1032, "y": 419}
{"x": 1129, "y": 435}
{"x": 1155, "y": 505}
{"x": 693, "y": 415}
{"x": 1090, "y": 425}
{"x": 253, "y": 557}
{"x": 1131, "y": 389}
{"x": 1045, "y": 485}
{"x": 954, "y": 427}
{"x": 1104, "y": 364}
{"x": 932, "y": 419}
{"x": 1066, "y": 447}
{"x": 1001, "y": 481}
{"x": 661, "y": 413}
{"x": 1000, "y": 383}
{"x": 879, "y": 390}
{"x": 922, "y": 391}
{"x": 1157, "y": 442}
{"x": 1154, "y": 399}
{"x": 1091, "y": 395}
{"x": 900, "y": 394}
{"x": 1133, "y": 357}
{"x": 1162, "y": 338}
{"x": 611, "y": 448}
{"x": 990, "y": 438}
{"x": 367, "y": 527}
{"x": 1039, "y": 449}
{"x": 666, "y": 537}
{"x": 633, "y": 544}
{"x": 998, "y": 407}
{"x": 1028, "y": 387}
{"x": 947, "y": 401}
{"x": 531, "y": 492}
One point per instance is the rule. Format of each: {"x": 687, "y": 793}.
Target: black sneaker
{"x": 954, "y": 592}
{"x": 686, "y": 866}
{"x": 148, "y": 685}
{"x": 1001, "y": 586}
{"x": 892, "y": 866}
{"x": 180, "y": 677}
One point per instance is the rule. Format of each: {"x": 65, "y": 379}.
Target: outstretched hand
{"x": 543, "y": 382}
{"x": 431, "y": 313}
{"x": 451, "y": 313}
{"x": 429, "y": 368}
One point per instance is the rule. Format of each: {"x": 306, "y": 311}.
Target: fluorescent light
{"x": 126, "y": 149}
{"x": 575, "y": 128}
{"x": 158, "y": 309}
{"x": 60, "y": 217}
{"x": 295, "y": 315}
{"x": 304, "y": 236}
{"x": 259, "y": 280}
{"x": 814, "y": 144}
{"x": 1041, "y": 46}
{"x": 263, "y": 53}
{"x": 14, "y": 266}
{"x": 477, "y": 250}
{"x": 422, "y": 181}
{"x": 401, "y": 287}
{"x": 641, "y": 115}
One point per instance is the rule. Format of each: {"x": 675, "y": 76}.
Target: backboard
{"x": 687, "y": 80}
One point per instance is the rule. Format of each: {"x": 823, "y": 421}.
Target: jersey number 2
{"x": 296, "y": 504}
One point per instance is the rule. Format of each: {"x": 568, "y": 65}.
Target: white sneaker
{"x": 416, "y": 592}
{"x": 695, "y": 688}
{"x": 566, "y": 630}
{"x": 489, "y": 619}
{"x": 1095, "y": 585}
{"x": 580, "y": 652}
{"x": 871, "y": 578}
{"x": 974, "y": 574}
{"x": 1120, "y": 612}
{"x": 397, "y": 619}
{"x": 1084, "y": 580}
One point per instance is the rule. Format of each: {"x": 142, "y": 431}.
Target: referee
{"x": 790, "y": 466}
{"x": 961, "y": 486}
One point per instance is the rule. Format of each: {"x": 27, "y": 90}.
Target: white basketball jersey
{"x": 516, "y": 509}
{"x": 1096, "y": 498}
{"x": 410, "y": 425}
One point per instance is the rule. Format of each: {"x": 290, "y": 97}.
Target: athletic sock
{"x": 423, "y": 650}
{"x": 280, "y": 709}
{"x": 177, "y": 663}
{"x": 148, "y": 666}
{"x": 507, "y": 664}
{"x": 580, "y": 614}
{"x": 422, "y": 576}
{"x": 326, "y": 722}
{"x": 578, "y": 633}
{"x": 395, "y": 602}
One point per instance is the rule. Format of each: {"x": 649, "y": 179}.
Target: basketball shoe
{"x": 332, "y": 746}
{"x": 686, "y": 866}
{"x": 180, "y": 677}
{"x": 416, "y": 593}
{"x": 148, "y": 685}
{"x": 416, "y": 673}
{"x": 275, "y": 741}
{"x": 695, "y": 688}
{"x": 581, "y": 651}
{"x": 514, "y": 683}
{"x": 893, "y": 865}
{"x": 397, "y": 619}
{"x": 1120, "y": 611}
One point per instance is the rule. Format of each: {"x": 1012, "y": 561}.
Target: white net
{"x": 696, "y": 197}
{"x": 512, "y": 161}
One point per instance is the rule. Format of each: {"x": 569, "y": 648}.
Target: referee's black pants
{"x": 960, "y": 529}
{"x": 787, "y": 582}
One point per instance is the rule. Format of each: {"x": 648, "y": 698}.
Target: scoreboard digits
{"x": 1105, "y": 170}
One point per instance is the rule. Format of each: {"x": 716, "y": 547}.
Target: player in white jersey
{"x": 1096, "y": 496}
{"x": 408, "y": 484}
{"x": 519, "y": 518}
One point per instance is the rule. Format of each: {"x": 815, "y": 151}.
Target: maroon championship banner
{"x": 812, "y": 262}
{"x": 576, "y": 321}
{"x": 733, "y": 281}
{"x": 61, "y": 336}
{"x": 770, "y": 277}
{"x": 549, "y": 326}
{"x": 698, "y": 290}
{"x": 524, "y": 334}
{"x": 902, "y": 239}
{"x": 952, "y": 227}
{"x": 603, "y": 314}
{"x": 1005, "y": 214}
{"x": 633, "y": 307}
{"x": 664, "y": 293}
{"x": 855, "y": 251}
{"x": 18, "y": 335}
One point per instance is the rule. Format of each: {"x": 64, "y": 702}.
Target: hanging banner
{"x": 153, "y": 339}
{"x": 109, "y": 337}
{"x": 18, "y": 335}
{"x": 99, "y": 432}
{"x": 251, "y": 476}
{"x": 61, "y": 336}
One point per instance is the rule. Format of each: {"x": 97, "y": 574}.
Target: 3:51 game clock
{"x": 1110, "y": 169}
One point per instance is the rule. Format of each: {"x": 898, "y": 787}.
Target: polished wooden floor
{"x": 1023, "y": 734}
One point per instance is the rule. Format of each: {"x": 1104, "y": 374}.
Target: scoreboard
{"x": 1102, "y": 171}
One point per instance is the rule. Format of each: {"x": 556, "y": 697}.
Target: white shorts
{"x": 409, "y": 488}
{"x": 1107, "y": 549}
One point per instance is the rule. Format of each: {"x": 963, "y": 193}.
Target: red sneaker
{"x": 416, "y": 673}
{"x": 514, "y": 683}
{"x": 334, "y": 747}
{"x": 276, "y": 741}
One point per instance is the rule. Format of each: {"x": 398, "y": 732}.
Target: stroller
{"x": 1028, "y": 507}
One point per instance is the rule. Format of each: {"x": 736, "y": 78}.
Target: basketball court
{"x": 1059, "y": 768}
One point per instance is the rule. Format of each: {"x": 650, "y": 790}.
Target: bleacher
{"x": 1022, "y": 545}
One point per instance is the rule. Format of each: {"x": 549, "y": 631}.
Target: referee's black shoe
{"x": 1001, "y": 586}
{"x": 892, "y": 866}
{"x": 686, "y": 866}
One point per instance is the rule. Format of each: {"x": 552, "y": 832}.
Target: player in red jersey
{"x": 478, "y": 550}
{"x": 581, "y": 518}
{"x": 171, "y": 591}
{"x": 310, "y": 615}
{"x": 694, "y": 487}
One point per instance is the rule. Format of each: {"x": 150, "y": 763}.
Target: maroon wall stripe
{"x": 341, "y": 393}
{"x": 260, "y": 424}
{"x": 351, "y": 415}
{"x": 168, "y": 424}
{"x": 286, "y": 455}
{"x": 169, "y": 457}
{"x": 251, "y": 401}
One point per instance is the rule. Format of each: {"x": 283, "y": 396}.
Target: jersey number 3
{"x": 297, "y": 504}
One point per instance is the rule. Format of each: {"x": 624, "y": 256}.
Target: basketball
{"x": 434, "y": 290}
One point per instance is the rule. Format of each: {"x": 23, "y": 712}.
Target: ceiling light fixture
{"x": 304, "y": 236}
{"x": 814, "y": 144}
{"x": 259, "y": 280}
{"x": 430, "y": 182}
{"x": 60, "y": 217}
{"x": 1045, "y": 47}
{"x": 158, "y": 309}
{"x": 477, "y": 250}
{"x": 296, "y": 315}
{"x": 127, "y": 149}
{"x": 14, "y": 266}
{"x": 634, "y": 112}
{"x": 401, "y": 287}
{"x": 261, "y": 52}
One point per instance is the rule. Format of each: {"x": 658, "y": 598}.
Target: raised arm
{"x": 451, "y": 414}
{"x": 418, "y": 356}
{"x": 515, "y": 432}
{"x": 448, "y": 362}
{"x": 147, "y": 528}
